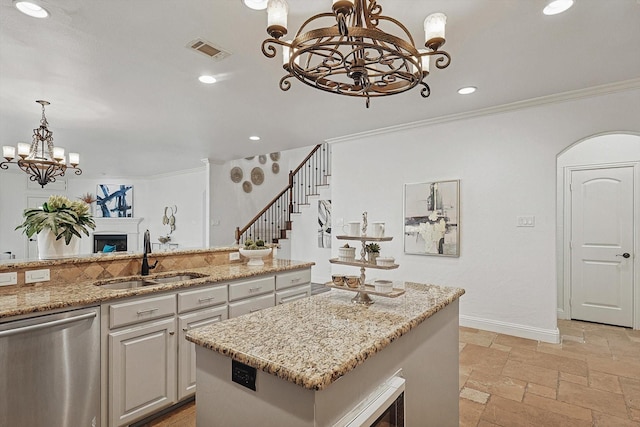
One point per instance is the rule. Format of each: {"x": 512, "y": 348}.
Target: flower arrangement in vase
{"x": 255, "y": 251}
{"x": 57, "y": 224}
{"x": 373, "y": 251}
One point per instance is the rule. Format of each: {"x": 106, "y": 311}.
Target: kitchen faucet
{"x": 147, "y": 250}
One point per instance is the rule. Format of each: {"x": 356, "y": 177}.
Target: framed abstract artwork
{"x": 432, "y": 218}
{"x": 114, "y": 201}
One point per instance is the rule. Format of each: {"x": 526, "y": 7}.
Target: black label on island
{"x": 243, "y": 374}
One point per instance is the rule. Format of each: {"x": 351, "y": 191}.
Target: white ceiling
{"x": 124, "y": 91}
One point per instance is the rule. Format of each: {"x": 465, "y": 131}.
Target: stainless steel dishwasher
{"x": 50, "y": 370}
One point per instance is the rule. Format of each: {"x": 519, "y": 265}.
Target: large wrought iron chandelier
{"x": 40, "y": 159}
{"x": 352, "y": 55}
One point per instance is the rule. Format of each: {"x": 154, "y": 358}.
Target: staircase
{"x": 272, "y": 223}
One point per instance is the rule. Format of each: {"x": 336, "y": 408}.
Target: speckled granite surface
{"x": 314, "y": 341}
{"x": 27, "y": 299}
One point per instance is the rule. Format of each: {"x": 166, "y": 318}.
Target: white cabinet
{"x": 142, "y": 370}
{"x": 293, "y": 278}
{"x": 251, "y": 288}
{"x": 147, "y": 362}
{"x": 186, "y": 349}
{"x": 196, "y": 308}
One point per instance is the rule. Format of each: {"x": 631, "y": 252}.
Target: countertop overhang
{"x": 314, "y": 341}
{"x": 43, "y": 297}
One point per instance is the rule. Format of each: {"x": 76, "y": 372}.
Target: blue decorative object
{"x": 114, "y": 201}
{"x": 109, "y": 248}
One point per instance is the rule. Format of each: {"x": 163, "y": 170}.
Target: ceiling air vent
{"x": 209, "y": 49}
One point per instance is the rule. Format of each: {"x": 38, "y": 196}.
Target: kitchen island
{"x": 318, "y": 359}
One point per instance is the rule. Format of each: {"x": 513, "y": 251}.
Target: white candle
{"x": 23, "y": 149}
{"x": 434, "y": 26}
{"x": 8, "y": 152}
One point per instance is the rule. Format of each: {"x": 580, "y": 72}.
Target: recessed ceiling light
{"x": 207, "y": 79}
{"x": 467, "y": 90}
{"x": 31, "y": 9}
{"x": 255, "y": 4}
{"x": 254, "y": 138}
{"x": 557, "y": 6}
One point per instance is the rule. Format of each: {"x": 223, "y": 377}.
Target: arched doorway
{"x": 598, "y": 230}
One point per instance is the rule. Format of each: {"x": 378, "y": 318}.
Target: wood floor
{"x": 592, "y": 378}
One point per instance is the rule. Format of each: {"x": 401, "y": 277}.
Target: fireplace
{"x": 117, "y": 241}
{"x": 121, "y": 227}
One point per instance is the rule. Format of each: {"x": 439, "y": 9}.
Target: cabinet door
{"x": 142, "y": 371}
{"x": 187, "y": 349}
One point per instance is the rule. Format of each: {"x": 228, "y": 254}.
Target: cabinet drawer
{"x": 249, "y": 306}
{"x": 294, "y": 278}
{"x": 292, "y": 294}
{"x": 127, "y": 313}
{"x": 202, "y": 298}
{"x": 251, "y": 288}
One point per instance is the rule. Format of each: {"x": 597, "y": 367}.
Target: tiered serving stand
{"x": 364, "y": 290}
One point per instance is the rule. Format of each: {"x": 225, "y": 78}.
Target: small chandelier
{"x": 353, "y": 56}
{"x": 40, "y": 159}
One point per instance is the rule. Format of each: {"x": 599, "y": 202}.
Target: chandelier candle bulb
{"x": 23, "y": 149}
{"x": 424, "y": 60}
{"x": 58, "y": 153}
{"x": 8, "y": 152}
{"x": 74, "y": 159}
{"x": 434, "y": 26}
{"x": 277, "y": 11}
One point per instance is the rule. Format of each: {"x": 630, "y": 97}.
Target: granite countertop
{"x": 314, "y": 341}
{"x": 41, "y": 297}
{"x": 12, "y": 264}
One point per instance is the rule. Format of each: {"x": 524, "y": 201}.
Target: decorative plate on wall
{"x": 257, "y": 176}
{"x": 275, "y": 168}
{"x": 262, "y": 159}
{"x": 236, "y": 174}
{"x": 246, "y": 186}
{"x": 275, "y": 156}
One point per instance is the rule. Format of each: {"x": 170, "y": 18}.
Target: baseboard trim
{"x": 522, "y": 331}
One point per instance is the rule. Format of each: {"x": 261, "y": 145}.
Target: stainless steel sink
{"x": 128, "y": 284}
{"x": 178, "y": 278}
{"x": 149, "y": 281}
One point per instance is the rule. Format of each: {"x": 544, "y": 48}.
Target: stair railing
{"x": 273, "y": 221}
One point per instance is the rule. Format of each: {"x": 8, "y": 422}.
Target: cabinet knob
{"x": 171, "y": 332}
{"x": 624, "y": 255}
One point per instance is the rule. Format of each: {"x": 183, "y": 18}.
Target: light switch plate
{"x": 33, "y": 276}
{"x": 527, "y": 221}
{"x": 7, "y": 279}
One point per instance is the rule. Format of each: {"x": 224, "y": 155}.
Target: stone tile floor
{"x": 592, "y": 378}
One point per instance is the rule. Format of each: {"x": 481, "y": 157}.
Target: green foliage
{"x": 251, "y": 245}
{"x": 373, "y": 247}
{"x": 62, "y": 216}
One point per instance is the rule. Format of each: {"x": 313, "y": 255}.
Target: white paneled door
{"x": 602, "y": 245}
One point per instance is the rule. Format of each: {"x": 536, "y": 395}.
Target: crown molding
{"x": 633, "y": 84}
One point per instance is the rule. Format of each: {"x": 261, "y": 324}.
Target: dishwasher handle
{"x": 44, "y": 325}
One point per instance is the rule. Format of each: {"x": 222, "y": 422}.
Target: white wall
{"x": 507, "y": 166}
{"x": 231, "y": 207}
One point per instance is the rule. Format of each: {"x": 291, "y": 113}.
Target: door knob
{"x": 624, "y": 255}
